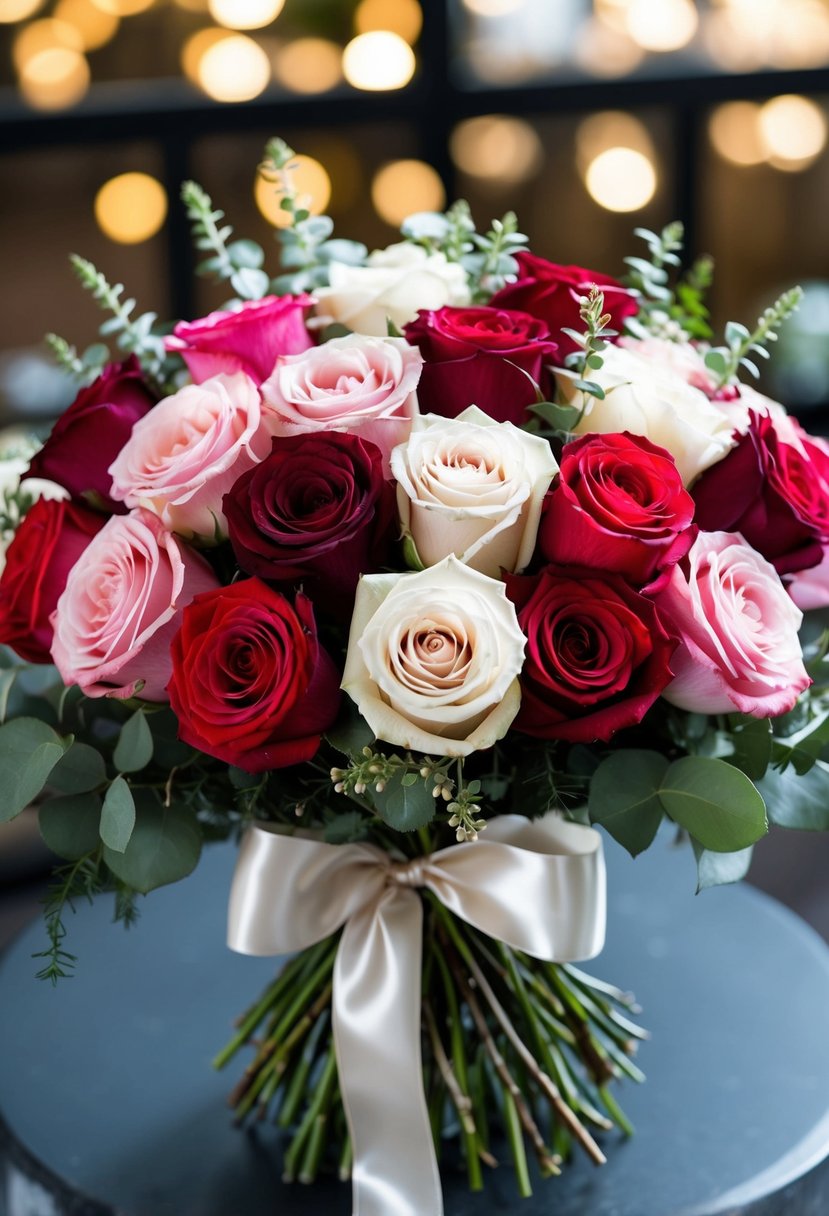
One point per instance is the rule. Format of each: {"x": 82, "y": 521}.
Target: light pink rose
{"x": 739, "y": 648}
{"x": 184, "y": 456}
{"x": 362, "y": 385}
{"x": 247, "y": 339}
{"x": 680, "y": 358}
{"x": 121, "y": 608}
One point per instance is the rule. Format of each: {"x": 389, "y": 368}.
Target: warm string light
{"x": 18, "y": 10}
{"x": 404, "y": 186}
{"x": 788, "y": 132}
{"x": 617, "y": 160}
{"x": 94, "y": 26}
{"x": 232, "y": 68}
{"x": 131, "y": 208}
{"x": 402, "y": 17}
{"x": 496, "y": 147}
{"x": 378, "y": 61}
{"x": 309, "y": 65}
{"x": 245, "y": 14}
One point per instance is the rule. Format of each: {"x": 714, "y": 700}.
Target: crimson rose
{"x": 89, "y": 435}
{"x": 597, "y": 653}
{"x": 318, "y": 508}
{"x": 771, "y": 492}
{"x": 617, "y": 505}
{"x": 551, "y": 293}
{"x": 251, "y": 684}
{"x": 489, "y": 357}
{"x": 248, "y": 339}
{"x": 48, "y": 542}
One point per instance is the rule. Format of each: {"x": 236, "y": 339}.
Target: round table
{"x": 109, "y": 1104}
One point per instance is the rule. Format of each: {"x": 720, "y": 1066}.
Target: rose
{"x": 250, "y": 683}
{"x": 121, "y": 606}
{"x": 246, "y": 339}
{"x": 362, "y": 385}
{"x": 552, "y": 292}
{"x": 433, "y": 659}
{"x": 775, "y": 493}
{"x": 392, "y": 286}
{"x": 48, "y": 542}
{"x": 472, "y": 487}
{"x": 317, "y": 509}
{"x": 681, "y": 358}
{"x": 183, "y": 457}
{"x": 89, "y": 435}
{"x": 646, "y": 399}
{"x": 598, "y": 654}
{"x": 487, "y": 357}
{"x": 739, "y": 647}
{"x": 618, "y": 505}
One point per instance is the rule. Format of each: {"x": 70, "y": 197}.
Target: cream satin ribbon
{"x": 537, "y": 885}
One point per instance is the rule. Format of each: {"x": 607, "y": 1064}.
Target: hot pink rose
{"x": 362, "y": 385}
{"x": 185, "y": 455}
{"x": 122, "y": 606}
{"x": 739, "y": 648}
{"x": 245, "y": 340}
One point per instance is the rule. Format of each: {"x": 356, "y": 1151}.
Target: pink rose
{"x": 245, "y": 340}
{"x": 739, "y": 648}
{"x": 184, "y": 456}
{"x": 362, "y": 385}
{"x": 121, "y": 608}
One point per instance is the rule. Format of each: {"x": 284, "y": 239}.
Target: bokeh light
{"x": 131, "y": 208}
{"x": 621, "y": 179}
{"x": 18, "y": 10}
{"x": 234, "y": 68}
{"x": 611, "y": 129}
{"x": 54, "y": 78}
{"x": 493, "y": 8}
{"x": 309, "y": 65}
{"x": 403, "y": 187}
{"x": 123, "y": 8}
{"x": 497, "y": 147}
{"x": 735, "y": 133}
{"x": 44, "y": 35}
{"x": 194, "y": 49}
{"x": 602, "y": 50}
{"x": 95, "y": 27}
{"x": 378, "y": 61}
{"x": 662, "y": 25}
{"x": 313, "y": 186}
{"x": 793, "y": 129}
{"x": 403, "y": 17}
{"x": 245, "y": 14}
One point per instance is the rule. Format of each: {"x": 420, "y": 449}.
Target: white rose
{"x": 16, "y": 452}
{"x": 683, "y": 358}
{"x": 648, "y": 399}
{"x": 473, "y": 487}
{"x": 392, "y": 286}
{"x": 433, "y": 659}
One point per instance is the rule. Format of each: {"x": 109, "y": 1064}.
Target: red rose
{"x": 317, "y": 509}
{"x": 89, "y": 435}
{"x": 49, "y": 541}
{"x": 250, "y": 683}
{"x": 247, "y": 340}
{"x": 551, "y": 293}
{"x": 597, "y": 654}
{"x": 489, "y": 357}
{"x": 618, "y": 505}
{"x": 773, "y": 493}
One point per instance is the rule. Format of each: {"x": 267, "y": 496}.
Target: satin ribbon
{"x": 537, "y": 885}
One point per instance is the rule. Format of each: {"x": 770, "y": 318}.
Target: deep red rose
{"x": 89, "y": 435}
{"x": 246, "y": 340}
{"x": 618, "y": 505}
{"x": 50, "y": 539}
{"x": 251, "y": 685}
{"x": 551, "y": 293}
{"x": 489, "y": 357}
{"x": 597, "y": 653}
{"x": 771, "y": 492}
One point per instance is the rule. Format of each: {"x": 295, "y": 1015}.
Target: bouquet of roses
{"x": 554, "y": 553}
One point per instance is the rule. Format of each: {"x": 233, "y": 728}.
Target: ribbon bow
{"x": 537, "y": 885}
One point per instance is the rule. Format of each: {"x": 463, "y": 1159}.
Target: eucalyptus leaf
{"x": 405, "y": 807}
{"x": 624, "y": 797}
{"x": 164, "y": 847}
{"x": 351, "y": 825}
{"x": 559, "y": 417}
{"x": 69, "y": 824}
{"x": 716, "y": 869}
{"x": 715, "y": 802}
{"x": 795, "y": 801}
{"x": 751, "y": 739}
{"x": 250, "y": 283}
{"x": 246, "y": 253}
{"x": 117, "y": 816}
{"x": 79, "y": 770}
{"x": 29, "y": 751}
{"x": 134, "y": 749}
{"x": 350, "y": 733}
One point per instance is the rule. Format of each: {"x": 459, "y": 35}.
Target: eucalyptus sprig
{"x": 725, "y": 361}
{"x": 591, "y": 343}
{"x": 239, "y": 262}
{"x": 136, "y": 335}
{"x": 674, "y": 312}
{"x": 494, "y": 263}
{"x": 83, "y": 368}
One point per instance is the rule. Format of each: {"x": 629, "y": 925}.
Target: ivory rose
{"x": 433, "y": 659}
{"x": 121, "y": 607}
{"x": 392, "y": 286}
{"x": 473, "y": 487}
{"x": 365, "y": 386}
{"x": 184, "y": 456}
{"x": 739, "y": 648}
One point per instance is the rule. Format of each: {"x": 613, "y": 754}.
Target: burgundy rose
{"x": 551, "y": 293}
{"x": 489, "y": 357}
{"x": 89, "y": 435}
{"x": 618, "y": 505}
{"x": 49, "y": 541}
{"x": 773, "y": 493}
{"x": 251, "y": 684}
{"x": 597, "y": 654}
{"x": 246, "y": 340}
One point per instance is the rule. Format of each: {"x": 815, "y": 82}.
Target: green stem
{"x": 319, "y": 1100}
{"x": 512, "y": 1125}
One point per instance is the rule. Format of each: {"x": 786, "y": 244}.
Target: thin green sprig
{"x": 675, "y": 312}
{"x": 79, "y": 880}
{"x": 725, "y": 361}
{"x": 239, "y": 262}
{"x": 83, "y": 368}
{"x": 135, "y": 335}
{"x": 591, "y": 343}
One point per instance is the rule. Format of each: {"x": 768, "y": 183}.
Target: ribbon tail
{"x": 377, "y": 982}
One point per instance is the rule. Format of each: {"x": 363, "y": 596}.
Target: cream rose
{"x": 473, "y": 487}
{"x": 392, "y": 286}
{"x": 680, "y": 358}
{"x": 648, "y": 399}
{"x": 433, "y": 659}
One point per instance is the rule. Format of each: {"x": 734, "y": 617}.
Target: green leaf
{"x": 624, "y": 797}
{"x": 405, "y": 807}
{"x": 164, "y": 847}
{"x": 246, "y": 254}
{"x": 69, "y": 824}
{"x": 250, "y": 283}
{"x": 351, "y": 825}
{"x": 411, "y": 557}
{"x": 751, "y": 739}
{"x": 800, "y": 802}
{"x": 134, "y": 749}
{"x": 716, "y": 869}
{"x": 716, "y": 361}
{"x": 117, "y": 816}
{"x": 79, "y": 769}
{"x": 350, "y": 733}
{"x": 559, "y": 417}
{"x": 8, "y": 675}
{"x": 29, "y": 750}
{"x": 714, "y": 802}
